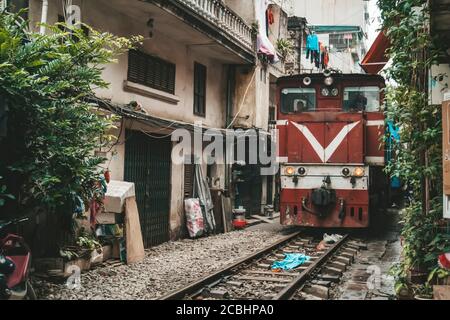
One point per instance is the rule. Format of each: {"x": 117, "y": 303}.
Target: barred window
{"x": 342, "y": 41}
{"x": 151, "y": 71}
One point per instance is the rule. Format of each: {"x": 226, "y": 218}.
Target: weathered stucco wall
{"x": 245, "y": 9}
{"x": 106, "y": 19}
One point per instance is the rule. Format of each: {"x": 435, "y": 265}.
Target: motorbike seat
{"x": 18, "y": 275}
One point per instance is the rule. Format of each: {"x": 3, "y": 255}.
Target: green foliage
{"x": 285, "y": 47}
{"x": 88, "y": 242}
{"x": 255, "y": 28}
{"x": 53, "y": 129}
{"x": 418, "y": 158}
{"x": 3, "y": 195}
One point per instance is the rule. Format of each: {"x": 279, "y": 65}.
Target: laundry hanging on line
{"x": 317, "y": 52}
{"x": 312, "y": 42}
{"x": 263, "y": 43}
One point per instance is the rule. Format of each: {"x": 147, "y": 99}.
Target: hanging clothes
{"x": 324, "y": 57}
{"x": 312, "y": 42}
{"x": 313, "y": 49}
{"x": 263, "y": 43}
{"x": 321, "y": 50}
{"x": 270, "y": 16}
{"x": 316, "y": 59}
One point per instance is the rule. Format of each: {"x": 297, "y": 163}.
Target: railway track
{"x": 251, "y": 278}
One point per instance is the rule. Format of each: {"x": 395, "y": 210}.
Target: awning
{"x": 338, "y": 30}
{"x": 331, "y": 29}
{"x": 376, "y": 59}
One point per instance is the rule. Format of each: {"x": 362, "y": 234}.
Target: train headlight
{"x": 335, "y": 92}
{"x": 301, "y": 171}
{"x": 325, "y": 92}
{"x": 289, "y": 171}
{"x": 359, "y": 172}
{"x": 328, "y": 81}
{"x": 346, "y": 172}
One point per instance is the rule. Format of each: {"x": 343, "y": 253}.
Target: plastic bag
{"x": 194, "y": 218}
{"x": 331, "y": 238}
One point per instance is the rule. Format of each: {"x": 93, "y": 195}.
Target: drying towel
{"x": 291, "y": 261}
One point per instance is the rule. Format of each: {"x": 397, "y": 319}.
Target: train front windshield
{"x": 352, "y": 99}
{"x": 362, "y": 99}
{"x": 297, "y": 100}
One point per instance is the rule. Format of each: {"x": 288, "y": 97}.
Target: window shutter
{"x": 199, "y": 89}
{"x": 151, "y": 71}
{"x": 188, "y": 180}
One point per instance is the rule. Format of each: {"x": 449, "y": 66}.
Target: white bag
{"x": 194, "y": 218}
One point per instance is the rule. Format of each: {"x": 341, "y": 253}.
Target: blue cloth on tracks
{"x": 291, "y": 261}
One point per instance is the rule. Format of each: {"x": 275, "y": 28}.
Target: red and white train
{"x": 330, "y": 149}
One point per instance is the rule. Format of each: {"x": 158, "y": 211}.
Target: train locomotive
{"x": 330, "y": 129}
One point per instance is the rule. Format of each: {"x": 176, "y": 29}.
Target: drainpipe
{"x": 44, "y": 16}
{"x": 231, "y": 85}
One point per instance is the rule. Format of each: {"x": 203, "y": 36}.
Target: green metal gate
{"x": 147, "y": 164}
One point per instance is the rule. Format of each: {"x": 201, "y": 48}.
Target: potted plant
{"x": 93, "y": 246}
{"x": 423, "y": 292}
{"x": 284, "y": 47}
{"x": 84, "y": 254}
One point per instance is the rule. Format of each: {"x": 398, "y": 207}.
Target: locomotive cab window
{"x": 362, "y": 99}
{"x": 297, "y": 100}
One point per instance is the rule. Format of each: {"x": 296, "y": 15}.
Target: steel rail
{"x": 218, "y": 275}
{"x": 290, "y": 290}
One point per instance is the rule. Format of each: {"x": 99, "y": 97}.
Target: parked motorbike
{"x": 15, "y": 262}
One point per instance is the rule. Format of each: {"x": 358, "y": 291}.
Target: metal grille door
{"x": 147, "y": 164}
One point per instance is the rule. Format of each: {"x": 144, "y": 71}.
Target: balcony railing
{"x": 217, "y": 13}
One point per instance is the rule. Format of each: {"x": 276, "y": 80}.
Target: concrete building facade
{"x": 197, "y": 63}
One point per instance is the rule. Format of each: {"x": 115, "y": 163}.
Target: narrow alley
{"x": 196, "y": 152}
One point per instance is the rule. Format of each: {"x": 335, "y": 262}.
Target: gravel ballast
{"x": 167, "y": 267}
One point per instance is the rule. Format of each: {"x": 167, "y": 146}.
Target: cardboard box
{"x": 107, "y": 253}
{"x": 109, "y": 218}
{"x": 115, "y": 197}
{"x": 441, "y": 292}
{"x": 115, "y": 252}
{"x": 96, "y": 257}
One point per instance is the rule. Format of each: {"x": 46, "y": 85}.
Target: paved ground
{"x": 368, "y": 278}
